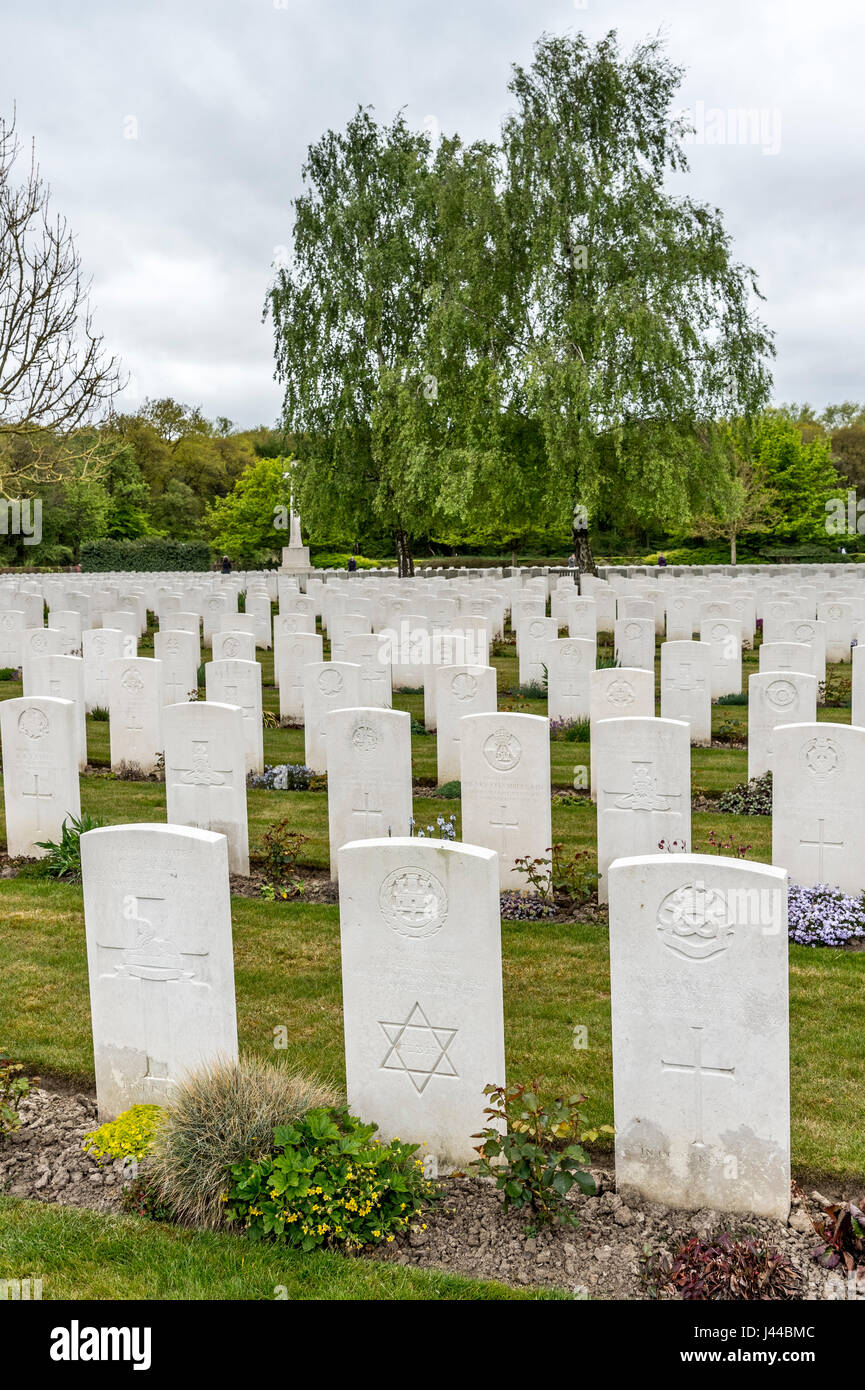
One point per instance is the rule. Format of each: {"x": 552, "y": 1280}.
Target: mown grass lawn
{"x": 82, "y": 1254}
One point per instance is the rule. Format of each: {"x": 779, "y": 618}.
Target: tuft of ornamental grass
{"x": 220, "y": 1115}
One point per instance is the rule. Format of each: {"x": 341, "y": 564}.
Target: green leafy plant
{"x": 141, "y": 1197}
{"x": 326, "y": 1182}
{"x": 752, "y": 798}
{"x": 219, "y": 1116}
{"x": 841, "y": 1228}
{"x": 9, "y": 673}
{"x": 835, "y": 691}
{"x": 100, "y": 714}
{"x": 573, "y": 876}
{"x": 721, "y": 1269}
{"x": 419, "y": 728}
{"x": 738, "y": 697}
{"x": 14, "y": 1085}
{"x": 280, "y": 850}
{"x": 63, "y": 859}
{"x": 534, "y": 1151}
{"x": 449, "y": 791}
{"x": 129, "y": 1136}
{"x": 730, "y": 731}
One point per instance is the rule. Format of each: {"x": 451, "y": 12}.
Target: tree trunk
{"x": 404, "y": 561}
{"x": 733, "y": 549}
{"x": 583, "y": 551}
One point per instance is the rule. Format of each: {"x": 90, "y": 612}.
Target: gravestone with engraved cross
{"x": 459, "y": 690}
{"x": 327, "y": 685}
{"x": 369, "y": 651}
{"x": 135, "y": 711}
{"x": 644, "y": 788}
{"x": 157, "y": 918}
{"x": 63, "y": 678}
{"x": 239, "y": 683}
{"x": 99, "y": 646}
{"x": 686, "y": 687}
{"x": 40, "y": 770}
{"x": 634, "y": 641}
{"x": 369, "y": 791}
{"x": 505, "y": 793}
{"x": 818, "y": 833}
{"x": 205, "y": 773}
{"x": 179, "y": 652}
{"x": 570, "y": 662}
{"x": 291, "y": 653}
{"x": 617, "y": 692}
{"x": 698, "y": 979}
{"x": 422, "y": 990}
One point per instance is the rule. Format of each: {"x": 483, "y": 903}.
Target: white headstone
{"x": 775, "y": 698}
{"x": 63, "y": 678}
{"x": 205, "y": 773}
{"x": 239, "y": 683}
{"x": 698, "y": 979}
{"x": 422, "y": 990}
{"x": 686, "y": 687}
{"x": 460, "y": 690}
{"x": 616, "y": 693}
{"x": 40, "y": 771}
{"x": 157, "y": 917}
{"x": 635, "y": 643}
{"x": 327, "y": 685}
{"x": 135, "y": 711}
{"x": 291, "y": 653}
{"x": 818, "y": 833}
{"x": 369, "y": 789}
{"x": 505, "y": 792}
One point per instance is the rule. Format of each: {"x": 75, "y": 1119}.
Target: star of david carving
{"x": 418, "y": 1049}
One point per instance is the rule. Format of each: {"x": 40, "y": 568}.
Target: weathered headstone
{"x": 618, "y": 692}
{"x": 570, "y": 662}
{"x": 135, "y": 711}
{"x": 686, "y": 687}
{"x": 239, "y": 683}
{"x": 369, "y": 791}
{"x": 505, "y": 792}
{"x": 817, "y": 832}
{"x": 205, "y": 773}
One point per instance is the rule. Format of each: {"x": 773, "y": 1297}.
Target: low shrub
{"x": 752, "y": 798}
{"x": 574, "y": 877}
{"x": 525, "y": 907}
{"x": 569, "y": 730}
{"x": 730, "y": 731}
{"x": 153, "y": 553}
{"x": 10, "y": 673}
{"x": 450, "y": 791}
{"x": 836, "y": 691}
{"x": 824, "y": 916}
{"x": 841, "y": 1228}
{"x": 722, "y": 1269}
{"x": 739, "y": 697}
{"x": 534, "y": 1151}
{"x": 419, "y": 728}
{"x": 129, "y": 1136}
{"x": 326, "y": 1181}
{"x": 63, "y": 859}
{"x": 14, "y": 1086}
{"x": 280, "y": 850}
{"x": 100, "y": 714}
{"x": 222, "y": 1115}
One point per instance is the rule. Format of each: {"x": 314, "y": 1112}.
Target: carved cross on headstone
{"x": 821, "y": 844}
{"x": 698, "y": 1071}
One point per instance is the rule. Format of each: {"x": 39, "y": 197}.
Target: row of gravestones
{"x": 698, "y": 962}
{"x": 641, "y": 774}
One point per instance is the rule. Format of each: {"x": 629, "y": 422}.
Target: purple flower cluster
{"x": 525, "y": 907}
{"x": 823, "y": 916}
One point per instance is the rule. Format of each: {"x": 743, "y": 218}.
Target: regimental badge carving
{"x": 503, "y": 750}
{"x": 131, "y": 681}
{"x": 633, "y": 631}
{"x": 7, "y": 622}
{"x": 418, "y": 1048}
{"x": 644, "y": 794}
{"x": 804, "y": 633}
{"x": 413, "y": 902}
{"x": 230, "y": 647}
{"x": 330, "y": 682}
{"x": 621, "y": 693}
{"x": 571, "y": 654}
{"x": 365, "y": 737}
{"x": 464, "y": 686}
{"x": 201, "y": 774}
{"x": 172, "y": 645}
{"x": 39, "y": 643}
{"x": 719, "y": 632}
{"x": 32, "y": 723}
{"x": 781, "y": 695}
{"x": 822, "y": 756}
{"x": 835, "y": 612}
{"x": 536, "y": 629}
{"x": 695, "y": 921}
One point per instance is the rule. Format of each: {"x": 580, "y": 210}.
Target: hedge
{"x": 146, "y": 553}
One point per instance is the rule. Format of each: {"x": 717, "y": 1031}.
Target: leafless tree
{"x": 55, "y": 374}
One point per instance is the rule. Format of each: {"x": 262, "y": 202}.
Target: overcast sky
{"x": 173, "y": 136}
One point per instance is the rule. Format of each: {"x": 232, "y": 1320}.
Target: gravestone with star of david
{"x": 698, "y": 981}
{"x": 327, "y": 685}
{"x": 422, "y": 989}
{"x": 818, "y": 829}
{"x": 775, "y": 698}
{"x": 135, "y": 712}
{"x": 205, "y": 773}
{"x": 615, "y": 693}
{"x": 40, "y": 770}
{"x": 459, "y": 690}
{"x": 229, "y": 682}
{"x": 505, "y": 788}
{"x": 686, "y": 687}
{"x": 644, "y": 788}
{"x": 369, "y": 789}
{"x": 159, "y": 953}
